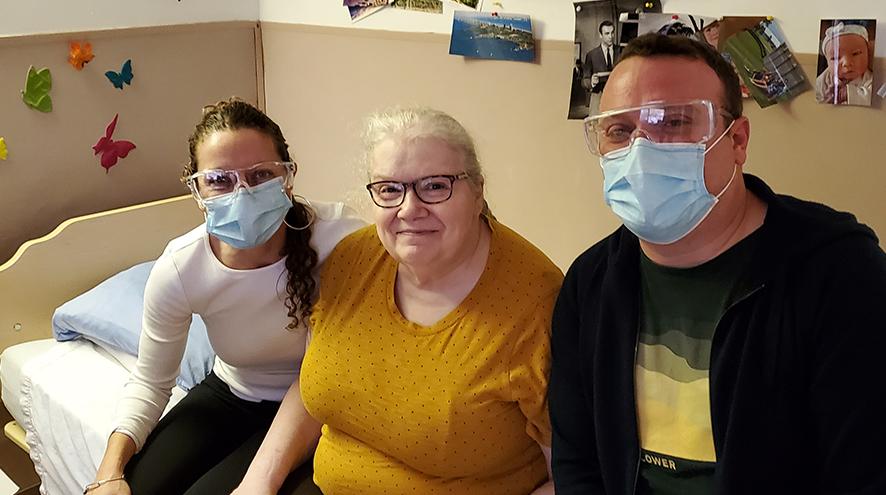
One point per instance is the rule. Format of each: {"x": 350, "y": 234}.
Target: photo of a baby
{"x": 845, "y": 66}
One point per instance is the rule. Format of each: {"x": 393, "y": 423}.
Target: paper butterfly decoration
{"x": 36, "y": 92}
{"x": 80, "y": 55}
{"x": 3, "y": 151}
{"x": 111, "y": 150}
{"x": 118, "y": 79}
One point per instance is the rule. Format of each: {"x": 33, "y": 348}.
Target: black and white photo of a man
{"x": 598, "y": 64}
{"x": 596, "y": 48}
{"x": 601, "y": 28}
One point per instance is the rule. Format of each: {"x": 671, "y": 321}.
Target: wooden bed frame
{"x": 81, "y": 252}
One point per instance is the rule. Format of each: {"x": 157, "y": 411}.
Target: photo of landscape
{"x": 492, "y": 35}
{"x": 474, "y": 4}
{"x": 359, "y": 9}
{"x": 433, "y": 6}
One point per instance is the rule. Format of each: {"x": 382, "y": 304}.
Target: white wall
{"x": 799, "y": 20}
{"x": 18, "y": 17}
{"x": 551, "y": 19}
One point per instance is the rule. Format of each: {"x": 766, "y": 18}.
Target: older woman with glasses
{"x": 429, "y": 355}
{"x": 249, "y": 273}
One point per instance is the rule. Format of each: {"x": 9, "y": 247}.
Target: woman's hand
{"x": 247, "y": 488}
{"x": 290, "y": 440}
{"x": 120, "y": 449}
{"x": 118, "y": 487}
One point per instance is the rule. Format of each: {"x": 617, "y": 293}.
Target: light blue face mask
{"x": 657, "y": 189}
{"x": 249, "y": 216}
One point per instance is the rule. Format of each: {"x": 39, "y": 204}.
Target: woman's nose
{"x": 411, "y": 206}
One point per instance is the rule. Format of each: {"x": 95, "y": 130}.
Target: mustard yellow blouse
{"x": 456, "y": 408}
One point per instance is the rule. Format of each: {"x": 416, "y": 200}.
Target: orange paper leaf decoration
{"x": 80, "y": 55}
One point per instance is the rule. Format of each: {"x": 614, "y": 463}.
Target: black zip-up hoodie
{"x": 797, "y": 372}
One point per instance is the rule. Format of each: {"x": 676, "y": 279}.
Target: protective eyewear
{"x": 211, "y": 183}
{"x": 430, "y": 190}
{"x": 692, "y": 122}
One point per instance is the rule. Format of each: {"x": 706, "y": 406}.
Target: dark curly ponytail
{"x": 301, "y": 259}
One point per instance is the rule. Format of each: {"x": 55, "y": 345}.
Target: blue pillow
{"x": 110, "y": 314}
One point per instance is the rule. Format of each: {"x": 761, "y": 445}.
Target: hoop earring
{"x": 309, "y": 209}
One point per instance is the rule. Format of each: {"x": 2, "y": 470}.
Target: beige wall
{"x": 321, "y": 81}
{"x": 51, "y": 173}
{"x": 541, "y": 180}
{"x": 831, "y": 154}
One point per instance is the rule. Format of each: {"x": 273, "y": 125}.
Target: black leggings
{"x": 205, "y": 444}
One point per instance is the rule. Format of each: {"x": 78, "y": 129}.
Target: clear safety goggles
{"x": 211, "y": 183}
{"x": 692, "y": 122}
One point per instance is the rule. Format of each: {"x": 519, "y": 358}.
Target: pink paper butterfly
{"x": 111, "y": 150}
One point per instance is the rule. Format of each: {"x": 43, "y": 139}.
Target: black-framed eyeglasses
{"x": 430, "y": 190}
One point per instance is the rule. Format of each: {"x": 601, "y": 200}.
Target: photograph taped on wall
{"x": 495, "y": 35}
{"x": 706, "y": 29}
{"x": 597, "y": 52}
{"x": 360, "y": 9}
{"x": 689, "y": 25}
{"x": 474, "y": 4}
{"x": 430, "y": 6}
{"x": 759, "y": 52}
{"x": 845, "y": 61}
{"x": 713, "y": 33}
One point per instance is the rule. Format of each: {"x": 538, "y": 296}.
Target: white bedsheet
{"x": 11, "y": 362}
{"x": 68, "y": 394}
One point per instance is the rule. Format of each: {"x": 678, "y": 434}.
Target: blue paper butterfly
{"x": 121, "y": 78}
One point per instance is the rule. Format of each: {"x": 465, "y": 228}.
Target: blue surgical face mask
{"x": 249, "y": 216}
{"x": 657, "y": 189}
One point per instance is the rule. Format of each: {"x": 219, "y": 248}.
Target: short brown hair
{"x": 659, "y": 45}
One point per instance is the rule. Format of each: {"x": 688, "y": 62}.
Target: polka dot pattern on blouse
{"x": 456, "y": 407}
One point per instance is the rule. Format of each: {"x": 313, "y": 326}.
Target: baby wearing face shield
{"x": 848, "y": 79}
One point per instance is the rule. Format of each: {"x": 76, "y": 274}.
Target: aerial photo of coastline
{"x": 492, "y": 35}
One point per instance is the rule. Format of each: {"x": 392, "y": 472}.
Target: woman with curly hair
{"x": 249, "y": 272}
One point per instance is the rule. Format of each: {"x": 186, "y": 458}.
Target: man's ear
{"x": 741, "y": 135}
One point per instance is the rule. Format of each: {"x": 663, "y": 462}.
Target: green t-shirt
{"x": 679, "y": 311}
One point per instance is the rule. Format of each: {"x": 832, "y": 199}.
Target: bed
{"x": 62, "y": 395}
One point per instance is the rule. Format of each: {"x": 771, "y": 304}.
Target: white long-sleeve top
{"x": 245, "y": 315}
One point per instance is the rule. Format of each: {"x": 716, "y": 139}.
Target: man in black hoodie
{"x": 726, "y": 339}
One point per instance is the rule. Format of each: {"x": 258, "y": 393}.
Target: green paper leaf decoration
{"x": 36, "y": 92}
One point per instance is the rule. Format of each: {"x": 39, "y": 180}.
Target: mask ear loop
{"x": 309, "y": 208}
{"x": 719, "y": 138}
{"x": 734, "y": 171}
{"x": 734, "y": 167}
